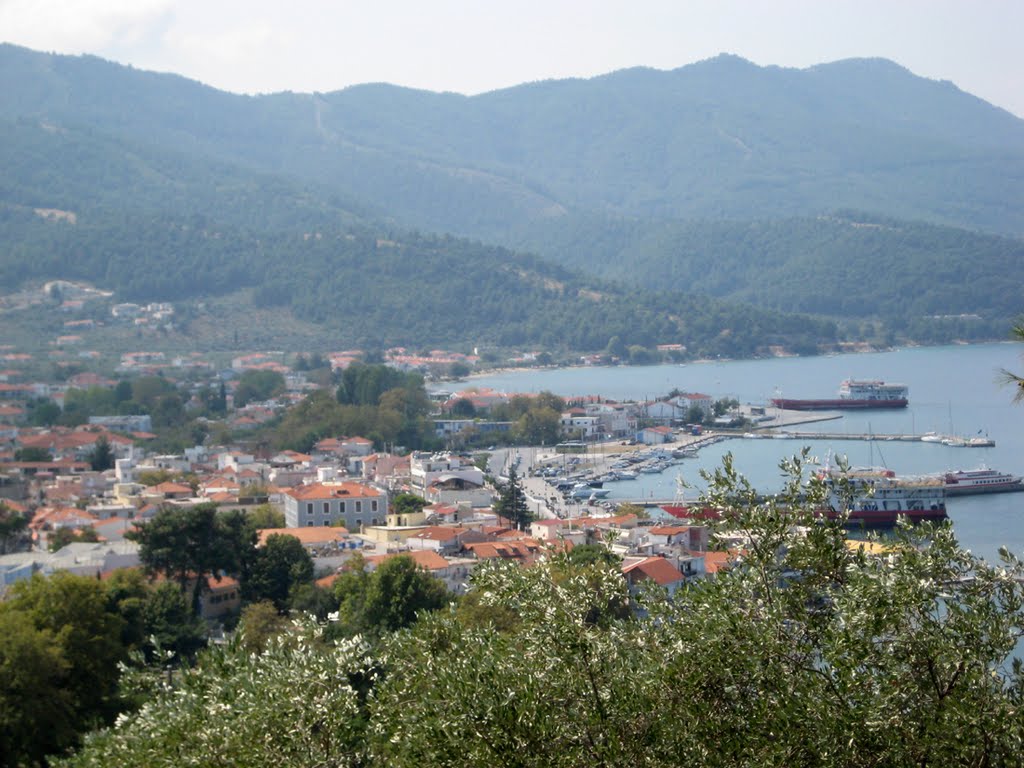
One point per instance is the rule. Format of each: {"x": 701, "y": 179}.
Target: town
{"x": 82, "y": 489}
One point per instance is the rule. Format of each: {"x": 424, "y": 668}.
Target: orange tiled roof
{"x": 425, "y": 558}
{"x": 310, "y": 535}
{"x": 316, "y": 491}
{"x": 657, "y": 569}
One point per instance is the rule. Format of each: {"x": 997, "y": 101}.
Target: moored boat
{"x": 853, "y": 394}
{"x": 983, "y": 480}
{"x": 876, "y": 497}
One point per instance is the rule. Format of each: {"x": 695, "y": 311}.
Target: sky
{"x": 473, "y": 46}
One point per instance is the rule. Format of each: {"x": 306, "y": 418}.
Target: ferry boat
{"x": 853, "y": 394}
{"x": 983, "y": 480}
{"x": 878, "y": 498}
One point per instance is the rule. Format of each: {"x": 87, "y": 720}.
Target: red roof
{"x": 657, "y": 569}
{"x": 424, "y": 558}
{"x": 317, "y": 491}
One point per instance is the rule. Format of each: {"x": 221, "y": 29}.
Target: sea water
{"x": 953, "y": 389}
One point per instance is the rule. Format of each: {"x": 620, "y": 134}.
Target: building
{"x": 350, "y": 504}
{"x": 427, "y": 468}
{"x": 125, "y": 424}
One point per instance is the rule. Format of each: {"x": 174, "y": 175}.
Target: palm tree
{"x": 1008, "y": 377}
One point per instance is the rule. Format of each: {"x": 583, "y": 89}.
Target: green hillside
{"x": 718, "y": 179}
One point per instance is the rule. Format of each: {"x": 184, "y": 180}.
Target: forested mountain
{"x": 720, "y": 138}
{"x": 720, "y": 178}
{"x": 845, "y": 264}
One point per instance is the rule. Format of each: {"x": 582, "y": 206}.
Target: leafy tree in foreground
{"x": 1011, "y": 378}
{"x": 74, "y": 666}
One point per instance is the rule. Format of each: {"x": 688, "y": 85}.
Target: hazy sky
{"x": 257, "y": 46}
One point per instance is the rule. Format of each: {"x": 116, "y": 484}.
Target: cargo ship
{"x": 853, "y": 394}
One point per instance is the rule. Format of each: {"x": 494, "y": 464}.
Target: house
{"x": 522, "y": 551}
{"x": 168, "y": 490}
{"x": 348, "y": 503}
{"x": 688, "y": 400}
{"x": 426, "y": 468}
{"x": 445, "y": 539}
{"x": 662, "y": 412}
{"x": 654, "y": 435}
{"x": 577, "y": 424}
{"x": 656, "y": 570}
{"x": 456, "y": 490}
{"x": 223, "y": 597}
{"x": 318, "y": 540}
{"x": 690, "y": 537}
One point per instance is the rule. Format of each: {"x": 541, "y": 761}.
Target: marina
{"x": 961, "y": 379}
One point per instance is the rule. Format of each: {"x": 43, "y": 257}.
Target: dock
{"x": 844, "y": 436}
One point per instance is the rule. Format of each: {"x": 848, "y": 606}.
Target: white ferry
{"x": 983, "y": 480}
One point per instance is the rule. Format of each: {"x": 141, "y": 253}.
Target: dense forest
{"x": 376, "y": 291}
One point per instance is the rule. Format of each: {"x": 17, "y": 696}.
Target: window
{"x": 359, "y": 523}
{"x": 373, "y": 505}
{"x": 309, "y": 508}
{"x": 309, "y": 524}
{"x": 327, "y": 507}
{"x": 341, "y": 507}
{"x": 359, "y": 506}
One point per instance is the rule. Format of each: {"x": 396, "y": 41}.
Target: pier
{"x": 841, "y": 436}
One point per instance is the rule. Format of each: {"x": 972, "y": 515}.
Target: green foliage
{"x": 32, "y": 454}
{"x": 59, "y": 660}
{"x": 265, "y": 516}
{"x": 64, "y": 536}
{"x": 511, "y": 503}
{"x": 807, "y": 652}
{"x": 260, "y": 623}
{"x": 190, "y": 545}
{"x": 397, "y": 592}
{"x": 36, "y": 711}
{"x": 13, "y": 526}
{"x": 258, "y": 385}
{"x": 277, "y": 567}
{"x": 407, "y": 504}
{"x": 389, "y": 598}
{"x": 398, "y": 418}
{"x": 292, "y": 704}
{"x": 102, "y": 456}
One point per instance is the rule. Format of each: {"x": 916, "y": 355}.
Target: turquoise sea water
{"x": 953, "y": 389}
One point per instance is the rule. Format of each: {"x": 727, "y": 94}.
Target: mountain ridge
{"x": 609, "y": 174}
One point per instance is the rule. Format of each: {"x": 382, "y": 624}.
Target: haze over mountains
{"x": 721, "y": 178}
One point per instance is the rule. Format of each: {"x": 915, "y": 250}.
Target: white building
{"x": 427, "y": 468}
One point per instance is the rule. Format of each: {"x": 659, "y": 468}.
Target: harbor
{"x": 559, "y": 484}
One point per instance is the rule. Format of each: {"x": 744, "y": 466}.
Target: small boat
{"x": 587, "y": 491}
